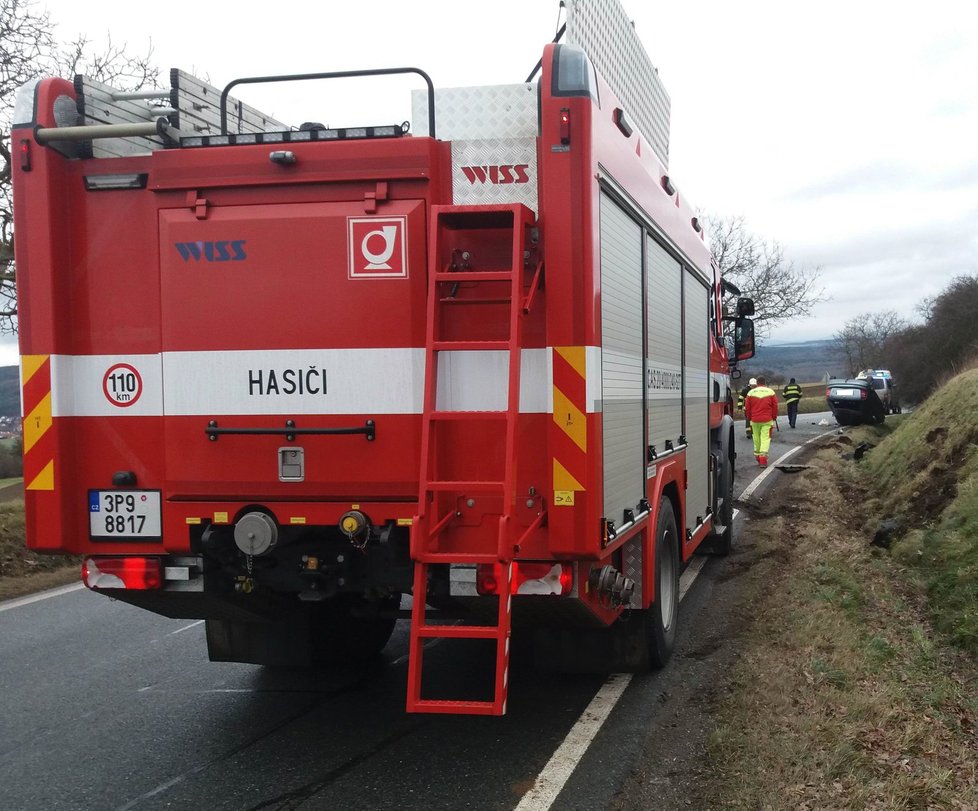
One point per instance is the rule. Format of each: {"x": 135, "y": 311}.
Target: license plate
{"x": 124, "y": 514}
{"x": 845, "y": 392}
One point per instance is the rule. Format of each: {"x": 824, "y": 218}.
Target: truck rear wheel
{"x": 662, "y": 616}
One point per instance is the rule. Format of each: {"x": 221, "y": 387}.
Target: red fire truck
{"x": 279, "y": 378}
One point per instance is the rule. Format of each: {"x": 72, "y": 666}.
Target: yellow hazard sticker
{"x": 193, "y": 520}
{"x": 405, "y": 522}
{"x": 563, "y": 498}
{"x": 220, "y": 518}
{"x": 297, "y": 519}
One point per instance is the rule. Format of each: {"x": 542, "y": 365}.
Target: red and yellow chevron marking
{"x": 570, "y": 417}
{"x": 38, "y": 436}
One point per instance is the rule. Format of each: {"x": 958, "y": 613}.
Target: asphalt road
{"x": 106, "y": 706}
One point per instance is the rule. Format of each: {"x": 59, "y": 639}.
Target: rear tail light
{"x": 528, "y": 578}
{"x": 123, "y": 573}
{"x": 565, "y": 126}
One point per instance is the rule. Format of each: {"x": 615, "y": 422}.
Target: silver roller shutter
{"x": 665, "y": 353}
{"x": 621, "y": 360}
{"x": 696, "y": 410}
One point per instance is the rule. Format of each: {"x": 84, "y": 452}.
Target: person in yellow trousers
{"x": 740, "y": 402}
{"x": 761, "y": 408}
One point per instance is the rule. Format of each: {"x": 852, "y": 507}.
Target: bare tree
{"x": 28, "y": 50}
{"x": 926, "y": 354}
{"x": 862, "y": 340}
{"x": 780, "y": 289}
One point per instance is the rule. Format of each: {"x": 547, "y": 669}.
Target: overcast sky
{"x": 847, "y": 130}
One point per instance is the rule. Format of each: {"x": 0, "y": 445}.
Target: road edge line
{"x": 565, "y": 759}
{"x": 17, "y": 602}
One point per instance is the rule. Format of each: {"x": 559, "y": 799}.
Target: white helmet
{"x": 752, "y": 381}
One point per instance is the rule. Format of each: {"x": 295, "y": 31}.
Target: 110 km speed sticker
{"x": 122, "y": 385}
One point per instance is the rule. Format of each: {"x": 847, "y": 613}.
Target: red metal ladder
{"x": 430, "y": 529}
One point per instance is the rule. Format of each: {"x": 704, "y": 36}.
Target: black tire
{"x": 341, "y": 632}
{"x": 662, "y": 616}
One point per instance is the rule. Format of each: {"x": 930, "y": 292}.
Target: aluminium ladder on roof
{"x": 190, "y": 106}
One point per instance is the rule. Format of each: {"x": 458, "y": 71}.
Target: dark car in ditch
{"x": 854, "y": 401}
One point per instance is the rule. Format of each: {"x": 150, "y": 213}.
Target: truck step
{"x": 474, "y": 276}
{"x": 458, "y": 631}
{"x": 447, "y": 707}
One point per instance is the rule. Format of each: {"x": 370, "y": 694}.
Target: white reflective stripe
{"x": 723, "y": 381}
{"x": 479, "y": 381}
{"x": 592, "y": 360}
{"x": 79, "y": 387}
{"x": 357, "y": 381}
{"x": 295, "y": 381}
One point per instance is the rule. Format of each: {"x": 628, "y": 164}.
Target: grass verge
{"x": 23, "y": 571}
{"x": 845, "y": 696}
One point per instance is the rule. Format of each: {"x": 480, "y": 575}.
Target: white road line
{"x": 551, "y": 780}
{"x": 563, "y": 762}
{"x": 186, "y": 628}
{"x": 690, "y": 575}
{"x": 43, "y": 595}
{"x": 749, "y": 490}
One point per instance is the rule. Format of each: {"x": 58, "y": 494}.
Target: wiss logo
{"x": 222, "y": 251}
{"x": 497, "y": 175}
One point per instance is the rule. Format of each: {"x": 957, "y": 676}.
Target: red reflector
{"x": 123, "y": 573}
{"x": 565, "y": 126}
{"x": 528, "y": 578}
{"x": 25, "y": 155}
{"x": 487, "y": 578}
{"x": 566, "y": 579}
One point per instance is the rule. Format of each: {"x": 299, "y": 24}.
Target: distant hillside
{"x": 807, "y": 362}
{"x": 9, "y": 391}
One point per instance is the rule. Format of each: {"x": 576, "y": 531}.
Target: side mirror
{"x": 743, "y": 338}
{"x": 745, "y": 306}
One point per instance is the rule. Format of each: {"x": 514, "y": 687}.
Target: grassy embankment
{"x": 21, "y": 570}
{"x": 858, "y": 685}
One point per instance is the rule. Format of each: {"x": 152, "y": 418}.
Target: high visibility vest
{"x": 791, "y": 393}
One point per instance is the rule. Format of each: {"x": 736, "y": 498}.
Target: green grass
{"x": 843, "y": 696}
{"x": 927, "y": 472}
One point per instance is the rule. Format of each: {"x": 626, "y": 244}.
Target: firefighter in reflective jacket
{"x": 791, "y": 394}
{"x": 741, "y": 396}
{"x": 761, "y": 406}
